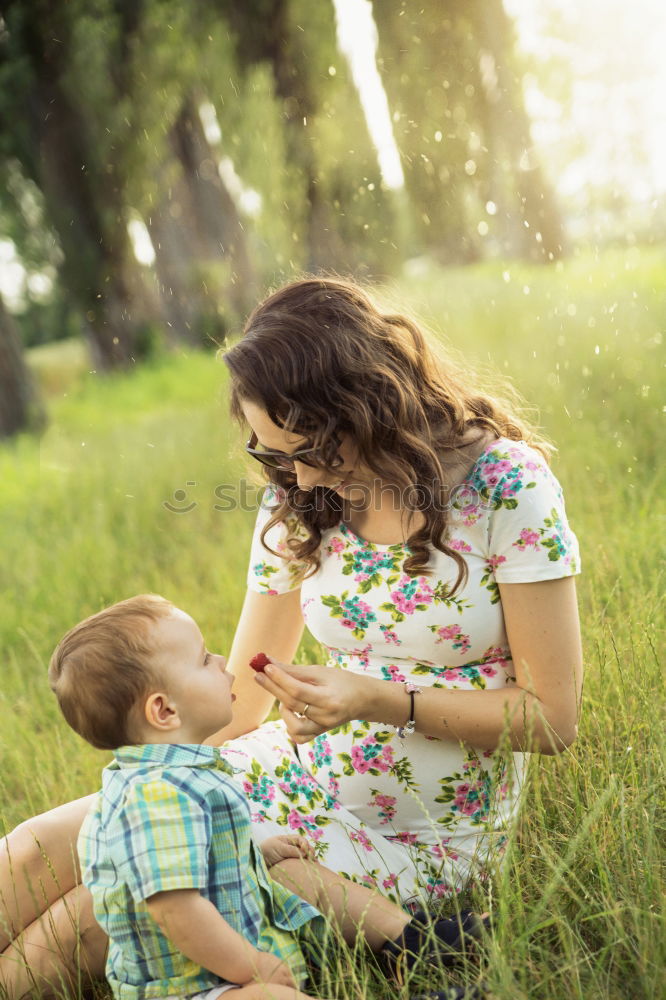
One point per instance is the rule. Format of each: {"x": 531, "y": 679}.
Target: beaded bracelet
{"x": 410, "y": 726}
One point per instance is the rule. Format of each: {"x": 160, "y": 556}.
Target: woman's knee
{"x": 48, "y": 840}
{"x": 38, "y": 864}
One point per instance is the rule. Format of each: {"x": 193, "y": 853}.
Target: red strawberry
{"x": 258, "y": 662}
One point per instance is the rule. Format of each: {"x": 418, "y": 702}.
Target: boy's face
{"x": 196, "y": 681}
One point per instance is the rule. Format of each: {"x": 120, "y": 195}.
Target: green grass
{"x": 84, "y": 523}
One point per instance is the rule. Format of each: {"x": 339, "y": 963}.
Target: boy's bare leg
{"x": 354, "y": 908}
{"x": 38, "y": 864}
{"x": 266, "y": 992}
{"x": 59, "y": 952}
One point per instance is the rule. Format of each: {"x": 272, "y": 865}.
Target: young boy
{"x": 166, "y": 850}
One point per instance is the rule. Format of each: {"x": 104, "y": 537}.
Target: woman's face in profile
{"x": 273, "y": 438}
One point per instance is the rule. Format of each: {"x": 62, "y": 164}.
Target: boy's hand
{"x": 270, "y": 969}
{"x": 277, "y": 849}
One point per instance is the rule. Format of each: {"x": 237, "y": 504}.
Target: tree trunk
{"x": 206, "y": 277}
{"x": 270, "y": 31}
{"x": 185, "y": 300}
{"x": 20, "y": 408}
{"x": 538, "y": 229}
{"x": 425, "y": 60}
{"x": 293, "y": 72}
{"x": 99, "y": 266}
{"x": 85, "y": 206}
{"x": 219, "y": 230}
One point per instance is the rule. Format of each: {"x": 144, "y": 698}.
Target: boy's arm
{"x": 199, "y": 931}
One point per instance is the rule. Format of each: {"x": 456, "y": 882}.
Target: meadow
{"x": 122, "y": 494}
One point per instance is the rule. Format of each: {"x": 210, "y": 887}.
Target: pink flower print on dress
{"x": 471, "y": 798}
{"x": 470, "y": 515}
{"x": 320, "y": 754}
{"x": 295, "y": 820}
{"x": 442, "y": 850}
{"x": 497, "y": 655}
{"x": 392, "y": 673}
{"x": 360, "y": 837}
{"x": 405, "y": 838}
{"x": 454, "y": 634}
{"x": 353, "y": 613}
{"x": 390, "y": 882}
{"x": 459, "y": 545}
{"x": 451, "y": 674}
{"x": 390, "y": 636}
{"x": 409, "y": 596}
{"x": 370, "y": 755}
{"x": 385, "y": 804}
{"x": 305, "y": 605}
{"x": 261, "y": 791}
{"x": 441, "y": 889}
{"x": 527, "y": 539}
{"x": 494, "y": 561}
{"x": 337, "y": 544}
{"x": 362, "y": 655}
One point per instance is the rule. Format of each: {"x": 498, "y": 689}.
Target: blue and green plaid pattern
{"x": 168, "y": 817}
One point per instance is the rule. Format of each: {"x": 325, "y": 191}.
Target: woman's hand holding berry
{"x": 314, "y": 699}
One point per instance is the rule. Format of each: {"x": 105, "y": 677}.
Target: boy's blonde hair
{"x": 103, "y": 665}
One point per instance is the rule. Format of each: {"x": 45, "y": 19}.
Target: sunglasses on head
{"x": 280, "y": 460}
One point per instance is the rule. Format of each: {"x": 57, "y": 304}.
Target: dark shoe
{"x": 439, "y": 943}
{"x": 453, "y": 993}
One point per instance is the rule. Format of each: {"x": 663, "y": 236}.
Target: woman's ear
{"x": 160, "y": 712}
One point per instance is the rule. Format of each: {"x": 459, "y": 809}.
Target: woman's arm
{"x": 539, "y": 713}
{"x": 270, "y": 623}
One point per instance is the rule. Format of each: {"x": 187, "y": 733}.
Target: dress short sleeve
{"x": 529, "y": 535}
{"x": 268, "y": 573}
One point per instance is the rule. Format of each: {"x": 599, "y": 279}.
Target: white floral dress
{"x": 417, "y": 817}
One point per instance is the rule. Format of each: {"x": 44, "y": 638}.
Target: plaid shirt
{"x": 168, "y": 818}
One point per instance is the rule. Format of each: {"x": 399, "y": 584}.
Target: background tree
{"x": 342, "y": 217}
{"x": 279, "y": 175}
{"x": 20, "y": 408}
{"x": 79, "y": 172}
{"x": 462, "y": 130}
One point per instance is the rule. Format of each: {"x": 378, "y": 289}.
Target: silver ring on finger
{"x": 303, "y": 714}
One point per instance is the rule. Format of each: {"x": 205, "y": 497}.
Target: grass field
{"x": 84, "y": 522}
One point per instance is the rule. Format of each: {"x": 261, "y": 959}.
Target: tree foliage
{"x": 280, "y": 174}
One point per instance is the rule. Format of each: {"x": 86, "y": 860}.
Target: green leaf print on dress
{"x": 474, "y": 792}
{"x": 555, "y": 543}
{"x": 488, "y": 579}
{"x": 355, "y": 614}
{"x": 366, "y": 565}
{"x": 370, "y": 755}
{"x": 264, "y": 571}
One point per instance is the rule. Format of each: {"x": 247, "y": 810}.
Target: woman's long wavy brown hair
{"x": 323, "y": 361}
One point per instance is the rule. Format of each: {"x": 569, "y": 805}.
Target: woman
{"x": 414, "y": 525}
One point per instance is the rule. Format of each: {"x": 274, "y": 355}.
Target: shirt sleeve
{"x": 166, "y": 836}
{"x": 529, "y": 535}
{"x": 268, "y": 573}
